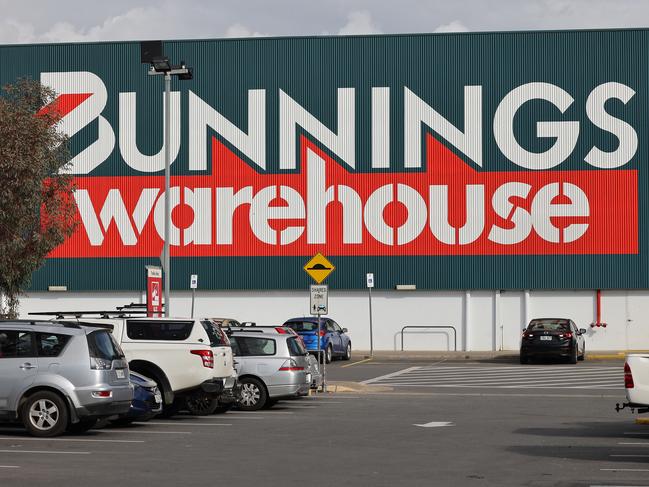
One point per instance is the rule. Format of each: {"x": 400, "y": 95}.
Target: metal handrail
{"x": 432, "y": 327}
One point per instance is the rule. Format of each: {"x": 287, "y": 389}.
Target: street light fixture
{"x": 151, "y": 53}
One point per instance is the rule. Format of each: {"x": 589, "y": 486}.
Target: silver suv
{"x": 271, "y": 366}
{"x": 60, "y": 375}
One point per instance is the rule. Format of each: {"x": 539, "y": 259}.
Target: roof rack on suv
{"x": 59, "y": 315}
{"x": 67, "y": 324}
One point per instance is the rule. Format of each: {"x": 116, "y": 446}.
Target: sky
{"x": 36, "y": 21}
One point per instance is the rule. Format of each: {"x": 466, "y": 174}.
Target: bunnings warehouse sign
{"x": 446, "y": 161}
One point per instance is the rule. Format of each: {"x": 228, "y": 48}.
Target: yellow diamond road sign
{"x": 319, "y": 268}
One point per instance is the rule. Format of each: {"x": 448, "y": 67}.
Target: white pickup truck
{"x": 636, "y": 382}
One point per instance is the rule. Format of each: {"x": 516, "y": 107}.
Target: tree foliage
{"x": 37, "y": 211}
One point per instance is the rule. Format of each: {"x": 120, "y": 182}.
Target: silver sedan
{"x": 271, "y": 366}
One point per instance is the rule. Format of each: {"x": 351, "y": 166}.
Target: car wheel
{"x": 44, "y": 414}
{"x": 329, "y": 354}
{"x": 169, "y": 410}
{"x": 582, "y": 357}
{"x": 348, "y": 352}
{"x": 82, "y": 426}
{"x": 200, "y": 404}
{"x": 222, "y": 409}
{"x": 270, "y": 403}
{"x": 524, "y": 359}
{"x": 253, "y": 394}
{"x": 122, "y": 421}
{"x": 574, "y": 356}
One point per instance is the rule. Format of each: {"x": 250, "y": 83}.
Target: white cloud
{"x": 240, "y": 30}
{"x": 455, "y": 26}
{"x": 359, "y": 23}
{"x": 16, "y": 32}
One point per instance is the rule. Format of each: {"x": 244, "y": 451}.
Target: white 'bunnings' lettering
{"x": 253, "y": 141}
{"x": 76, "y": 82}
{"x": 128, "y": 134}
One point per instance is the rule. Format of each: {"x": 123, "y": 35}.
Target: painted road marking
{"x": 9, "y": 466}
{"x": 356, "y": 363}
{"x": 630, "y": 456}
{"x": 45, "y": 452}
{"x": 637, "y": 444}
{"x": 435, "y": 424}
{"x": 389, "y": 376}
{"x": 188, "y": 424}
{"x": 19, "y": 439}
{"x": 624, "y": 469}
{"x": 503, "y": 377}
{"x": 137, "y": 431}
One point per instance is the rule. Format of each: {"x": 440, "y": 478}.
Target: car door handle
{"x": 27, "y": 366}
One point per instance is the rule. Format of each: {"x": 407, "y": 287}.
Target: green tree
{"x": 37, "y": 211}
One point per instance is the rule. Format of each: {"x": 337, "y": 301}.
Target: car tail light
{"x": 102, "y": 394}
{"x": 628, "y": 377}
{"x": 290, "y": 366}
{"x": 97, "y": 363}
{"x": 528, "y": 335}
{"x": 323, "y": 333}
{"x": 566, "y": 335}
{"x": 281, "y": 330}
{"x": 207, "y": 356}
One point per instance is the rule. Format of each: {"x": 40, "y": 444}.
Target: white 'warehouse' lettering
{"x": 252, "y": 142}
{"x": 357, "y": 216}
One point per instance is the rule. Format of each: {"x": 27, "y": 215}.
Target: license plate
{"x": 158, "y": 398}
{"x": 546, "y": 338}
{"x": 120, "y": 374}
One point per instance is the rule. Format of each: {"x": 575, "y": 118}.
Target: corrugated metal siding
{"x": 348, "y": 87}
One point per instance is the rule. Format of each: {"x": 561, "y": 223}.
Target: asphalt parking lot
{"x": 407, "y": 424}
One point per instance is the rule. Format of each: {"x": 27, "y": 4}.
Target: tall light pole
{"x": 151, "y": 52}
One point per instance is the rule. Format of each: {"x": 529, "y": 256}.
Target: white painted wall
{"x": 495, "y": 319}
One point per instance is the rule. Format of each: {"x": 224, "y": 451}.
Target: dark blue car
{"x": 334, "y": 341}
{"x": 146, "y": 403}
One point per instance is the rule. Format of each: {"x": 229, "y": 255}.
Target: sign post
{"x": 154, "y": 291}
{"x": 370, "y": 285}
{"x": 318, "y": 268}
{"x": 193, "y": 284}
{"x": 319, "y": 305}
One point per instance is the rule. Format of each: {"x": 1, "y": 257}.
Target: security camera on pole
{"x": 318, "y": 268}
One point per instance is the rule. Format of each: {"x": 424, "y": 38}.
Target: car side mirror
{"x": 344, "y": 330}
{"x": 582, "y": 331}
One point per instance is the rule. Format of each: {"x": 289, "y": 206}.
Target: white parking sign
{"x": 319, "y": 299}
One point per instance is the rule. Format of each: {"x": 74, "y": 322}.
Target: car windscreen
{"x": 304, "y": 325}
{"x": 102, "y": 345}
{"x": 253, "y": 346}
{"x": 549, "y": 325}
{"x": 217, "y": 337}
{"x": 159, "y": 330}
{"x": 295, "y": 347}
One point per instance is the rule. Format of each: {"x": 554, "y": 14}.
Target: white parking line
{"x": 389, "y": 376}
{"x": 138, "y": 432}
{"x": 637, "y": 444}
{"x": 624, "y": 469}
{"x": 189, "y": 424}
{"x": 636, "y": 433}
{"x": 9, "y": 466}
{"x": 630, "y": 456}
{"x": 84, "y": 440}
{"x": 45, "y": 452}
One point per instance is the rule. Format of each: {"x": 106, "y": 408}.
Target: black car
{"x": 558, "y": 337}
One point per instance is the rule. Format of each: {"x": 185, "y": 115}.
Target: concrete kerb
{"x": 473, "y": 356}
{"x": 345, "y": 387}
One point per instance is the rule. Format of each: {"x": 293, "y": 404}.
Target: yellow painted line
{"x": 642, "y": 421}
{"x": 356, "y": 363}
